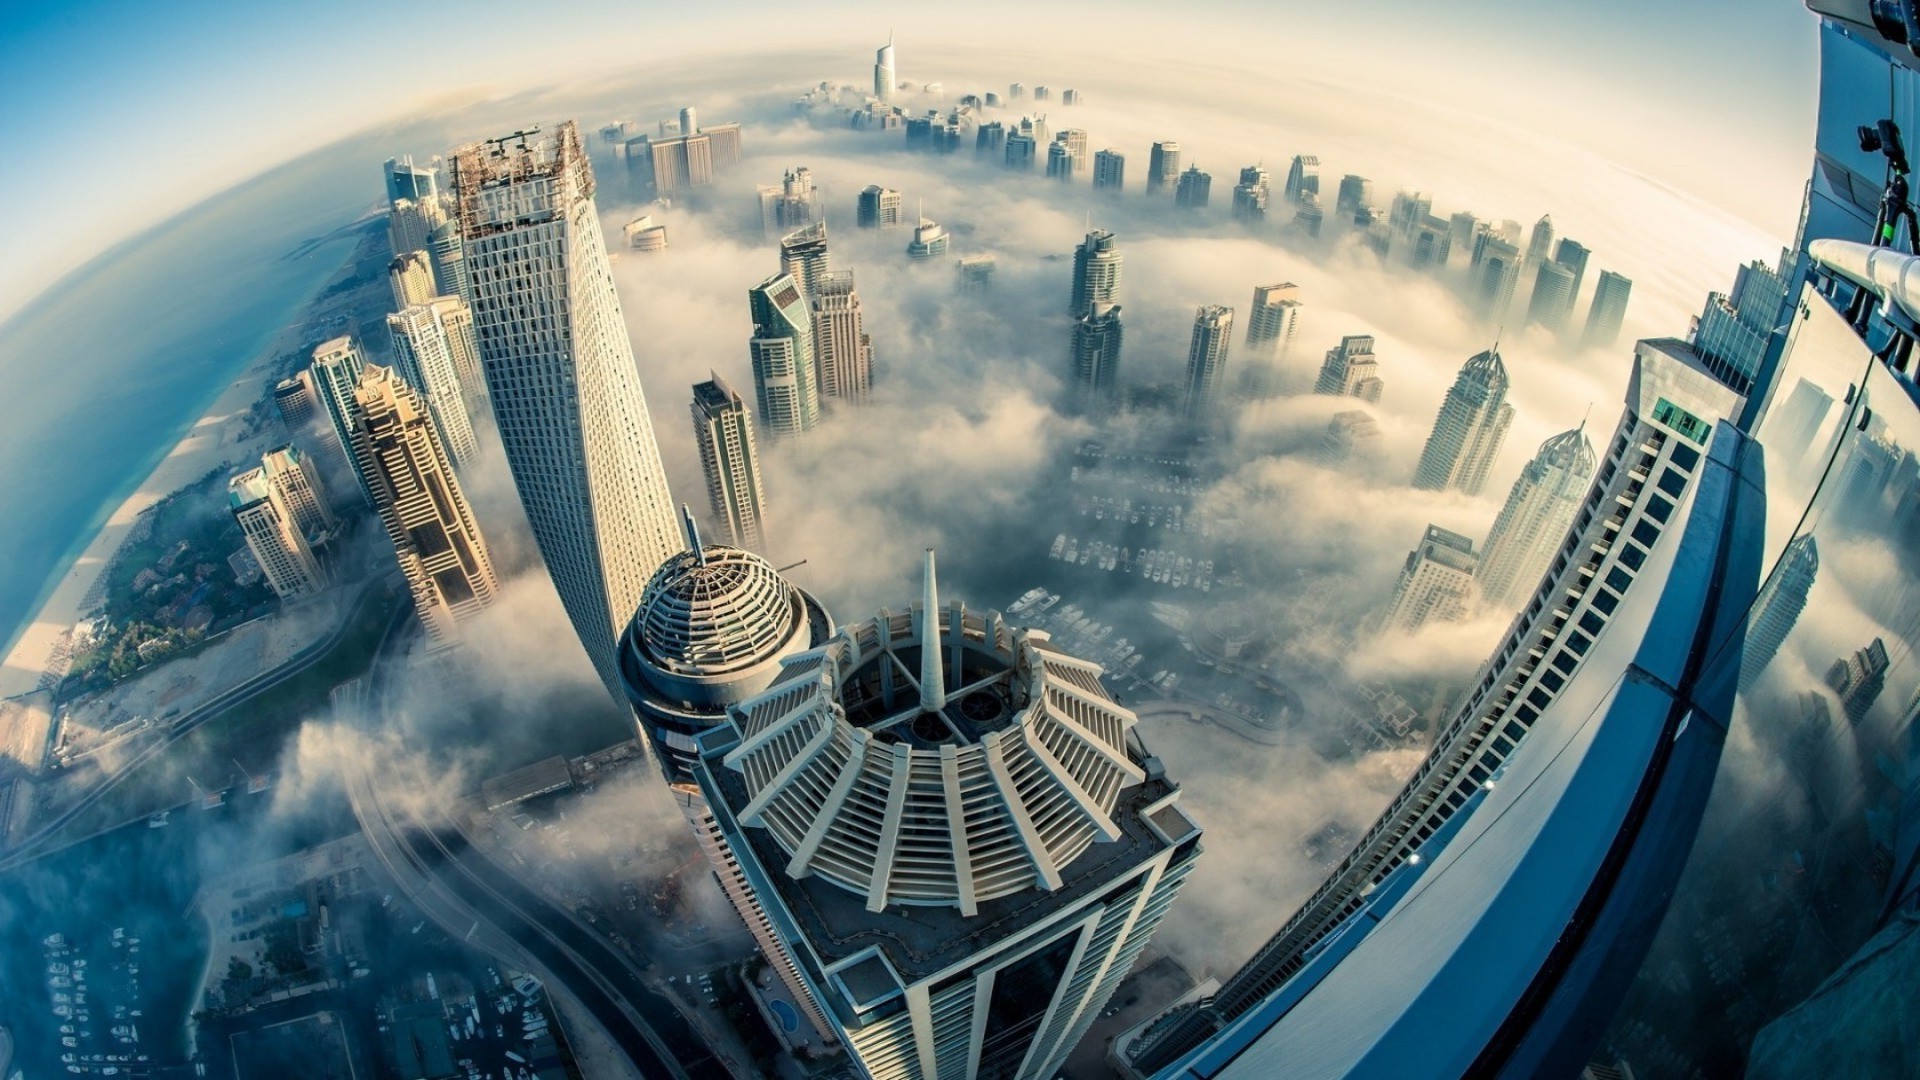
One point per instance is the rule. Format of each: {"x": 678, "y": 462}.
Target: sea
{"x": 102, "y": 375}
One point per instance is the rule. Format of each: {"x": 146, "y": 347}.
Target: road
{"x": 239, "y": 694}
{"x": 472, "y": 897}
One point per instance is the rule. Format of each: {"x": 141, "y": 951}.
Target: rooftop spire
{"x": 933, "y": 676}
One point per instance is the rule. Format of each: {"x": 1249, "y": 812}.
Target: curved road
{"x": 234, "y": 696}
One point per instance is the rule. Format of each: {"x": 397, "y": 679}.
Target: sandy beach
{"x": 216, "y": 440}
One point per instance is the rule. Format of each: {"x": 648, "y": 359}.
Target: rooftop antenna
{"x": 693, "y": 535}
{"x": 933, "y": 678}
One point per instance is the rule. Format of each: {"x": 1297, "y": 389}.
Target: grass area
{"x": 253, "y": 733}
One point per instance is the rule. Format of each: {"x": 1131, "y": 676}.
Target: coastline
{"x": 219, "y": 439}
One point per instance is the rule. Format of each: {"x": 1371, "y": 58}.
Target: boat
{"x": 1027, "y": 600}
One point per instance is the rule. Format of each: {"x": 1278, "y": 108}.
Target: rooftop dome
{"x": 716, "y": 611}
{"x": 934, "y": 757}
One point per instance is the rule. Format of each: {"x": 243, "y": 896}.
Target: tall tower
{"x": 1609, "y": 311}
{"x": 1436, "y": 584}
{"x": 1552, "y": 302}
{"x": 1303, "y": 178}
{"x": 1109, "y": 170}
{"x": 1573, "y": 255}
{"x": 434, "y": 534}
{"x": 724, "y": 429}
{"x": 886, "y": 80}
{"x": 297, "y": 491}
{"x": 781, "y": 350}
{"x": 426, "y": 355}
{"x": 1250, "y": 195}
{"x": 1096, "y": 272}
{"x": 336, "y": 371}
{"x": 1496, "y": 273}
{"x": 1096, "y": 355}
{"x": 952, "y": 835}
{"x": 1355, "y": 195}
{"x": 560, "y": 372}
{"x": 1472, "y": 424}
{"x": 803, "y": 254}
{"x": 879, "y": 208}
{"x": 411, "y": 275}
{"x": 1163, "y": 167}
{"x": 1207, "y": 361}
{"x": 1535, "y": 519}
{"x": 1779, "y": 605}
{"x": 405, "y": 180}
{"x": 1193, "y": 190}
{"x": 1275, "y": 315}
{"x": 843, "y": 351}
{"x": 273, "y": 536}
{"x": 1350, "y": 370}
{"x": 1540, "y": 241}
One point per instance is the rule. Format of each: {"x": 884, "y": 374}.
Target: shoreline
{"x": 217, "y": 440}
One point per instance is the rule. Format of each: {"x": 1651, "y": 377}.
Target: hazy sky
{"x": 122, "y": 113}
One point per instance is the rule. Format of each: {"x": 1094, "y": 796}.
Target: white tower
{"x": 561, "y": 374}
{"x": 1535, "y": 520}
{"x": 885, "y": 78}
{"x": 1469, "y": 430}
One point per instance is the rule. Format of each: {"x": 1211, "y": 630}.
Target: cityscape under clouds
{"x": 405, "y": 780}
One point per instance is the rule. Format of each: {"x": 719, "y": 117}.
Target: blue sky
{"x": 158, "y": 106}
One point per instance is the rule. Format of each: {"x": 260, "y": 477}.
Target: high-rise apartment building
{"x": 1496, "y": 273}
{"x": 1303, "y": 178}
{"x": 1067, "y": 155}
{"x": 411, "y": 224}
{"x": 1540, "y": 241}
{"x": 1436, "y": 583}
{"x": 335, "y": 372}
{"x": 1163, "y": 167}
{"x": 976, "y": 272}
{"x": 682, "y": 156}
{"x": 1022, "y": 151}
{"x": 449, "y": 256}
{"x": 1533, "y": 523}
{"x": 432, "y": 342}
{"x": 1347, "y": 433}
{"x": 1109, "y": 170}
{"x": 1356, "y": 194}
{"x": 930, "y": 240}
{"x": 781, "y": 350}
{"x": 405, "y": 180}
{"x": 1273, "y": 317}
{"x": 284, "y": 555}
{"x": 1350, "y": 370}
{"x": 794, "y": 204}
{"x": 1468, "y": 432}
{"x": 1779, "y": 606}
{"x": 880, "y": 208}
{"x": 1732, "y": 331}
{"x": 1552, "y": 302}
{"x": 886, "y": 80}
{"x": 1097, "y": 264}
{"x": 293, "y": 398}
{"x": 1572, "y": 255}
{"x": 299, "y": 494}
{"x": 1859, "y": 678}
{"x": 842, "y": 349}
{"x": 1207, "y": 362}
{"x": 434, "y": 534}
{"x": 1656, "y": 455}
{"x": 804, "y": 255}
{"x": 724, "y": 430}
{"x": 1609, "y": 311}
{"x": 960, "y": 881}
{"x": 565, "y": 391}
{"x": 1193, "y": 190}
{"x": 411, "y": 275}
{"x": 990, "y": 140}
{"x": 1250, "y": 196}
{"x": 1096, "y": 355}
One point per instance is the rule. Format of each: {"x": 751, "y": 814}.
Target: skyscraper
{"x": 1207, "y": 361}
{"x": 929, "y": 240}
{"x": 1779, "y": 606}
{"x": 1552, "y": 302}
{"x": 990, "y": 140}
{"x": 1609, "y": 311}
{"x": 1732, "y": 331}
{"x": 1496, "y": 273}
{"x": 1022, "y": 151}
{"x": 1067, "y": 156}
{"x": 405, "y": 180}
{"x": 843, "y": 352}
{"x": 1409, "y": 209}
{"x": 1274, "y": 316}
{"x": 804, "y": 255}
{"x": 879, "y": 207}
{"x": 1540, "y": 241}
{"x": 794, "y": 204}
{"x": 449, "y": 256}
{"x": 565, "y": 392}
{"x": 1350, "y": 370}
{"x": 434, "y": 534}
{"x": 293, "y": 397}
{"x": 335, "y": 372}
{"x": 1356, "y": 194}
{"x": 1109, "y": 170}
{"x": 1250, "y": 196}
{"x": 1572, "y": 255}
{"x": 1858, "y": 679}
{"x": 959, "y": 887}
{"x": 782, "y": 353}
{"x": 1303, "y": 178}
{"x": 885, "y": 79}
{"x": 428, "y": 341}
{"x": 1436, "y": 583}
{"x": 1471, "y": 427}
{"x": 1096, "y": 355}
{"x": 411, "y": 275}
{"x": 1193, "y": 189}
{"x": 411, "y": 223}
{"x": 277, "y": 545}
{"x": 1163, "y": 167}
{"x": 724, "y": 429}
{"x": 1096, "y": 272}
{"x": 297, "y": 490}
{"x": 1535, "y": 519}
{"x": 976, "y": 272}
{"x": 681, "y": 156}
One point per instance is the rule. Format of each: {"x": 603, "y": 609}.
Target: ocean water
{"x": 100, "y": 377}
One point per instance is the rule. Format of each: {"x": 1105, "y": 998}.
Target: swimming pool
{"x": 789, "y": 1016}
